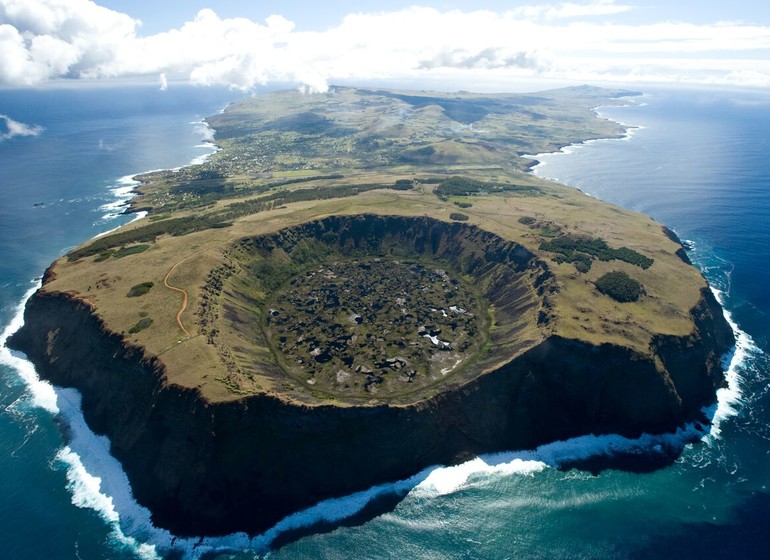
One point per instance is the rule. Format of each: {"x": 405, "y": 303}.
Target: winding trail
{"x": 184, "y": 298}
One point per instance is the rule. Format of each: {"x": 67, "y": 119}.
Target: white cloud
{"x": 570, "y": 10}
{"x": 44, "y": 39}
{"x": 163, "y": 81}
{"x": 11, "y": 128}
{"x": 47, "y": 39}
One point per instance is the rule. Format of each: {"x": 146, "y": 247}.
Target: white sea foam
{"x": 86, "y": 493}
{"x": 41, "y": 392}
{"x": 541, "y": 158}
{"x": 123, "y": 192}
{"x": 629, "y": 130}
{"x": 445, "y": 480}
{"x": 730, "y": 397}
{"x": 123, "y": 189}
{"x": 203, "y": 158}
{"x": 136, "y": 216}
{"x": 96, "y": 479}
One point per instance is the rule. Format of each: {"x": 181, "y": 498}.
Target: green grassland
{"x": 289, "y": 158}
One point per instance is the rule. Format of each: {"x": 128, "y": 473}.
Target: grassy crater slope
{"x": 399, "y": 306}
{"x": 307, "y": 314}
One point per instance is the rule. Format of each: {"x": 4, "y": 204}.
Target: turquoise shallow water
{"x": 698, "y": 165}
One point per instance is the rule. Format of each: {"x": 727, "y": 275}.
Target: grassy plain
{"x": 289, "y": 158}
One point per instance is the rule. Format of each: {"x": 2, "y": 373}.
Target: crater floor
{"x": 369, "y": 326}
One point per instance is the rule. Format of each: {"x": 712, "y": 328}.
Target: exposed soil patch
{"x": 375, "y": 324}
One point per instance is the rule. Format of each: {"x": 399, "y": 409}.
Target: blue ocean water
{"x": 59, "y": 186}
{"x": 698, "y": 164}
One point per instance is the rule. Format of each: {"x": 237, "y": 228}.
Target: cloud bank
{"x": 10, "y": 128}
{"x": 42, "y": 40}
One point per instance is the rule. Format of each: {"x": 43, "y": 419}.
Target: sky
{"x": 473, "y": 44}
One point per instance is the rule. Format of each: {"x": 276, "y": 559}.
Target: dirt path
{"x": 184, "y": 297}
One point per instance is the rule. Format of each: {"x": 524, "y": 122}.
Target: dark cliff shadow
{"x": 638, "y": 463}
{"x": 380, "y": 505}
{"x": 640, "y": 460}
{"x": 592, "y": 454}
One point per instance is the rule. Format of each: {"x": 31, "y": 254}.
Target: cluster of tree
{"x": 463, "y": 186}
{"x": 619, "y": 286}
{"x": 298, "y": 180}
{"x": 140, "y": 289}
{"x": 219, "y": 219}
{"x": 132, "y": 250}
{"x": 579, "y": 250}
{"x": 403, "y": 185}
{"x": 140, "y": 325}
{"x": 210, "y": 186}
{"x": 103, "y": 246}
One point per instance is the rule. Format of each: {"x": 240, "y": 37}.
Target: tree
{"x": 619, "y": 286}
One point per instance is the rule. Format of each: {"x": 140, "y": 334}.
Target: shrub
{"x": 619, "y": 286}
{"x": 527, "y": 220}
{"x": 582, "y": 263}
{"x": 632, "y": 257}
{"x": 464, "y": 186}
{"x": 140, "y": 289}
{"x": 570, "y": 247}
{"x": 103, "y": 256}
{"x": 458, "y": 217}
{"x": 133, "y": 250}
{"x": 141, "y": 325}
{"x": 463, "y": 204}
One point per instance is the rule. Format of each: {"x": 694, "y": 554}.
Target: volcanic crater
{"x": 368, "y": 306}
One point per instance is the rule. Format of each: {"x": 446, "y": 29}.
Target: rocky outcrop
{"x": 205, "y": 468}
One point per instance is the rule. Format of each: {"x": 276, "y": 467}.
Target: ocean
{"x": 693, "y": 159}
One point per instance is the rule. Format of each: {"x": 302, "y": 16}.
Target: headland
{"x": 363, "y": 283}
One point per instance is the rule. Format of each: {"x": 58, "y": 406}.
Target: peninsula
{"x": 363, "y": 283}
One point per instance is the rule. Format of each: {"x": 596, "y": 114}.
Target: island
{"x": 363, "y": 283}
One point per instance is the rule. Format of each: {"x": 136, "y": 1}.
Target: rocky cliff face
{"x": 206, "y": 468}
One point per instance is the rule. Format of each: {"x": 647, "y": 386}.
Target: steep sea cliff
{"x": 205, "y": 468}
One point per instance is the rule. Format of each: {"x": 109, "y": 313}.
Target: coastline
{"x": 125, "y": 188}
{"x": 95, "y": 479}
{"x": 730, "y": 396}
{"x": 437, "y": 481}
{"x": 629, "y": 130}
